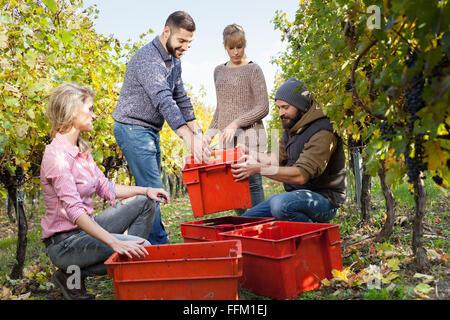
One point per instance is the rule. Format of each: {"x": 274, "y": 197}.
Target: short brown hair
{"x": 234, "y": 35}
{"x": 181, "y": 19}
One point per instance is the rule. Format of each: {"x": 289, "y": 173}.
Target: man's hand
{"x": 198, "y": 144}
{"x": 200, "y": 148}
{"x": 244, "y": 168}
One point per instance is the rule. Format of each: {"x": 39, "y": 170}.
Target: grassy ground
{"x": 371, "y": 270}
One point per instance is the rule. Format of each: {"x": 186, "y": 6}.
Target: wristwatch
{"x": 198, "y": 131}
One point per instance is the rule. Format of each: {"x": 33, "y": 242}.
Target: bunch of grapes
{"x": 414, "y": 101}
{"x": 348, "y": 85}
{"x": 387, "y": 131}
{"x": 368, "y": 71}
{"x": 413, "y": 104}
{"x": 415, "y": 164}
{"x": 353, "y": 144}
{"x": 438, "y": 180}
{"x": 411, "y": 58}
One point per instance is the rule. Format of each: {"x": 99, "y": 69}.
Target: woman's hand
{"x": 130, "y": 248}
{"x": 159, "y": 195}
{"x": 127, "y": 248}
{"x": 228, "y": 133}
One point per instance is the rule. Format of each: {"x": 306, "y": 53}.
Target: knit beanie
{"x": 299, "y": 98}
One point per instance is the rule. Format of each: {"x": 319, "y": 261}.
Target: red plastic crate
{"x": 282, "y": 259}
{"x": 210, "y": 229}
{"x": 211, "y": 185}
{"x": 183, "y": 271}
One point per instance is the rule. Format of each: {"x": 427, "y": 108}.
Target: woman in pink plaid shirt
{"x": 74, "y": 238}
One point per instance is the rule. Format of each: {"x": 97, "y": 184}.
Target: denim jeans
{"x": 141, "y": 149}
{"x": 297, "y": 205}
{"x": 88, "y": 253}
{"x": 256, "y": 192}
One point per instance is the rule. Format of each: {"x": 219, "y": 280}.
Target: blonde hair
{"x": 234, "y": 35}
{"x": 63, "y": 102}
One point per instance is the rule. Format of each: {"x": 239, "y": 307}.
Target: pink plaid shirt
{"x": 69, "y": 179}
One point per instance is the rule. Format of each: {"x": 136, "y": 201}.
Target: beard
{"x": 172, "y": 51}
{"x": 289, "y": 122}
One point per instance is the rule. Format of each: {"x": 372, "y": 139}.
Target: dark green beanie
{"x": 299, "y": 98}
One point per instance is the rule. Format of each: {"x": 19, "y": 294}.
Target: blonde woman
{"x": 242, "y": 103}
{"x": 73, "y": 237}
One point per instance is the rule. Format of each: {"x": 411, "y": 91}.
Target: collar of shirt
{"x": 157, "y": 43}
{"x": 61, "y": 142}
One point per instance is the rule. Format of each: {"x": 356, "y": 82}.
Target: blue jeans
{"x": 256, "y": 191}
{"x": 297, "y": 205}
{"x": 141, "y": 149}
{"x": 88, "y": 253}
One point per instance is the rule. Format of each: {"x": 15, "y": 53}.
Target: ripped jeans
{"x": 297, "y": 205}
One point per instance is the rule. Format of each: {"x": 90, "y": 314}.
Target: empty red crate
{"x": 210, "y": 229}
{"x": 211, "y": 185}
{"x": 282, "y": 259}
{"x": 183, "y": 271}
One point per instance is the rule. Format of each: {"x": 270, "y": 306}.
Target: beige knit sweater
{"x": 241, "y": 97}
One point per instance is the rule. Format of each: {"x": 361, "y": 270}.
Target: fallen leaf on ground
{"x": 393, "y": 264}
{"x": 433, "y": 254}
{"x": 341, "y": 275}
{"x": 425, "y": 277}
{"x": 326, "y": 282}
{"x": 423, "y": 288}
{"x": 391, "y": 276}
{"x": 421, "y": 295}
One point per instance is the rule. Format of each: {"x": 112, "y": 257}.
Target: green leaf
{"x": 391, "y": 276}
{"x": 3, "y": 142}
{"x": 30, "y": 114}
{"x": 51, "y": 5}
{"x": 66, "y": 37}
{"x": 11, "y": 101}
{"x": 393, "y": 264}
{"x": 423, "y": 276}
{"x": 423, "y": 288}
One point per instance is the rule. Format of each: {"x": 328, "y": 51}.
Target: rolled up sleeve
{"x": 105, "y": 187}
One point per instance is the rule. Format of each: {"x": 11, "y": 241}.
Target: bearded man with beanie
{"x": 310, "y": 162}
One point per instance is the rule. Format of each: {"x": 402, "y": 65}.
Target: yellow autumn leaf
{"x": 391, "y": 276}
{"x": 423, "y": 288}
{"x": 325, "y": 282}
{"x": 393, "y": 264}
{"x": 434, "y": 155}
{"x": 340, "y": 275}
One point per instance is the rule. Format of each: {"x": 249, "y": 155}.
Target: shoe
{"x": 84, "y": 292}
{"x": 59, "y": 278}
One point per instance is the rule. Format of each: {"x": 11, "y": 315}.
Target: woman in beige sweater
{"x": 242, "y": 103}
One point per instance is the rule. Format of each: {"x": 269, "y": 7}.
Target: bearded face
{"x": 179, "y": 42}
{"x": 290, "y": 117}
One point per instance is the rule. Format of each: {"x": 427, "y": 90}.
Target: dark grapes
{"x": 438, "y": 180}
{"x": 387, "y": 131}
{"x": 411, "y": 58}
